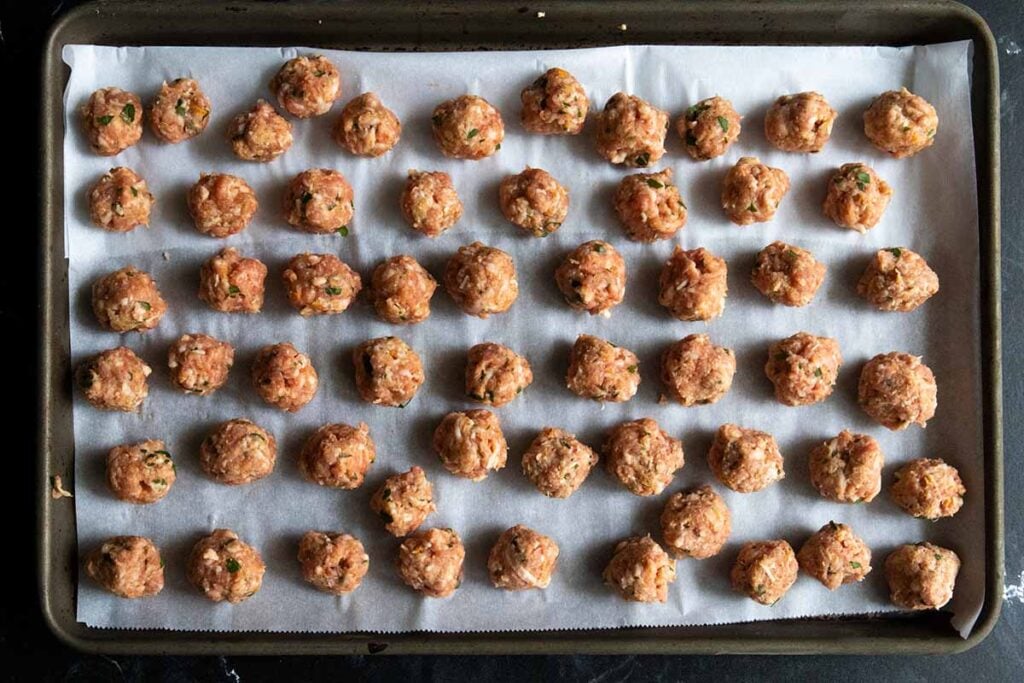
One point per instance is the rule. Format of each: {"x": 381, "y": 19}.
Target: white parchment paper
{"x": 933, "y": 211}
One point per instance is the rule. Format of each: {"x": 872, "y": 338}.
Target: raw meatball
{"x": 649, "y": 206}
{"x": 333, "y": 563}
{"x": 199, "y": 363}
{"x": 180, "y": 111}
{"x": 745, "y": 460}
{"x": 834, "y": 556}
{"x": 114, "y": 380}
{"x": 471, "y": 444}
{"x": 366, "y": 127}
{"x": 260, "y": 134}
{"x": 534, "y": 201}
{"x": 900, "y": 123}
{"x": 284, "y": 377}
{"x": 787, "y": 274}
{"x": 693, "y": 284}
{"x": 557, "y": 462}
{"x": 602, "y": 371}
{"x": 388, "y": 371}
{"x": 225, "y": 568}
{"x": 496, "y": 374}
{"x": 320, "y": 284}
{"x": 401, "y": 289}
{"x": 630, "y": 131}
{"x": 238, "y": 452}
{"x": 127, "y": 566}
{"x": 113, "y": 120}
{"x": 481, "y": 280}
{"x": 752, "y": 191}
{"x": 803, "y": 368}
{"x": 319, "y": 201}
{"x": 120, "y": 201}
{"x": 696, "y": 372}
{"x": 921, "y": 576}
{"x": 640, "y": 570}
{"x": 592, "y": 278}
{"x": 429, "y": 202}
{"x": 522, "y": 559}
{"x": 708, "y": 128}
{"x": 232, "y": 283}
{"x": 430, "y": 562}
{"x": 642, "y": 456}
{"x": 127, "y": 300}
{"x": 307, "y": 86}
{"x": 856, "y": 197}
{"x": 928, "y": 488}
{"x": 897, "y": 390}
{"x": 764, "y": 570}
{"x": 848, "y": 468}
{"x": 338, "y": 455}
{"x": 140, "y": 472}
{"x": 800, "y": 122}
{"x": 404, "y": 501}
{"x": 221, "y": 205}
{"x": 897, "y": 279}
{"x": 554, "y": 104}
{"x": 468, "y": 127}
{"x": 696, "y": 523}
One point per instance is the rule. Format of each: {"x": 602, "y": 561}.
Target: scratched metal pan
{"x": 482, "y": 25}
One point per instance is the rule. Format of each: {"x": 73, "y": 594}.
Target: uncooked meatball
{"x": 180, "y": 111}
{"x": 592, "y": 277}
{"x": 338, "y": 455}
{"x": 642, "y": 456}
{"x": 284, "y": 377}
{"x": 140, "y": 473}
{"x": 333, "y": 563}
{"x": 897, "y": 279}
{"x": 708, "y": 128}
{"x": 649, "y": 206}
{"x": 800, "y": 122}
{"x": 745, "y": 460}
{"x": 468, "y": 127}
{"x": 366, "y": 127}
{"x": 320, "y": 284}
{"x": 232, "y": 283}
{"x": 401, "y": 289}
{"x": 601, "y": 371}
{"x": 199, "y": 363}
{"x": 481, "y": 280}
{"x": 127, "y": 300}
{"x": 835, "y": 555}
{"x": 127, "y": 566}
{"x": 804, "y": 368}
{"x": 897, "y": 390}
{"x": 522, "y": 559}
{"x": 764, "y": 570}
{"x": 388, "y": 371}
{"x": 120, "y": 201}
{"x": 787, "y": 274}
{"x": 404, "y": 501}
{"x": 430, "y": 203}
{"x": 693, "y": 284}
{"x": 928, "y": 488}
{"x": 630, "y": 131}
{"x": 238, "y": 452}
{"x": 221, "y": 205}
{"x": 319, "y": 201}
{"x": 307, "y": 86}
{"x": 752, "y": 191}
{"x": 696, "y": 372}
{"x": 696, "y": 523}
{"x": 430, "y": 562}
{"x": 557, "y": 462}
{"x": 223, "y": 567}
{"x": 900, "y": 123}
{"x": 470, "y": 444}
{"x": 847, "y": 468}
{"x": 113, "y": 120}
{"x": 640, "y": 570}
{"x": 534, "y": 201}
{"x": 260, "y": 134}
{"x": 496, "y": 374}
{"x": 856, "y": 197}
{"x": 554, "y": 104}
{"x": 921, "y": 576}
{"x": 114, "y": 380}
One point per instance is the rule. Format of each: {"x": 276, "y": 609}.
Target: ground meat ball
{"x": 642, "y": 456}
{"x": 928, "y": 488}
{"x": 800, "y": 122}
{"x": 120, "y": 201}
{"x": 708, "y": 128}
{"x": 764, "y": 570}
{"x": 333, "y": 563}
{"x": 630, "y": 131}
{"x": 693, "y": 284}
{"x": 522, "y": 559}
{"x": 787, "y": 274}
{"x": 401, "y": 289}
{"x": 481, "y": 280}
{"x": 471, "y": 444}
{"x": 900, "y": 123}
{"x": 404, "y": 501}
{"x": 429, "y": 202}
{"x": 752, "y": 191}
{"x": 307, "y": 86}
{"x": 856, "y": 197}
{"x": 835, "y": 555}
{"x": 283, "y": 377}
{"x": 534, "y": 201}
{"x": 388, "y": 371}
{"x": 649, "y": 206}
{"x": 496, "y": 374}
{"x": 554, "y": 104}
{"x": 897, "y": 279}
{"x": 430, "y": 562}
{"x": 366, "y": 127}
{"x": 338, "y": 455}
{"x": 696, "y": 372}
{"x": 848, "y": 468}
{"x": 319, "y": 201}
{"x": 238, "y": 452}
{"x": 696, "y": 523}
{"x": 113, "y": 120}
{"x": 320, "y": 284}
{"x": 468, "y": 127}
{"x": 557, "y": 462}
{"x": 199, "y": 363}
{"x": 745, "y": 460}
{"x": 114, "y": 380}
{"x": 127, "y": 300}
{"x": 260, "y": 134}
{"x": 897, "y": 390}
{"x": 602, "y": 371}
{"x": 225, "y": 568}
{"x": 232, "y": 283}
{"x": 640, "y": 570}
{"x": 180, "y": 111}
{"x": 921, "y": 576}
{"x": 141, "y": 472}
{"x": 592, "y": 277}
{"x": 803, "y": 368}
{"x": 127, "y": 566}
{"x": 221, "y": 205}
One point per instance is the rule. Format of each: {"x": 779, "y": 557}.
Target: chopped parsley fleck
{"x": 855, "y": 565}
{"x": 632, "y": 369}
{"x": 497, "y": 147}
{"x": 334, "y": 291}
{"x": 146, "y": 305}
{"x": 162, "y": 453}
{"x": 723, "y": 123}
{"x": 179, "y": 107}
{"x": 651, "y": 182}
{"x": 343, "y": 231}
{"x": 135, "y": 193}
{"x": 128, "y": 113}
{"x": 258, "y": 436}
{"x": 643, "y": 159}
{"x": 599, "y": 248}
{"x": 938, "y": 557}
{"x": 104, "y": 120}
{"x": 233, "y": 290}
{"x": 233, "y": 565}
{"x": 306, "y": 196}
{"x": 696, "y": 110}
{"x": 472, "y": 134}
{"x": 751, "y": 208}
{"x": 863, "y": 180}
{"x": 818, "y": 373}
{"x": 895, "y": 251}
{"x": 319, "y": 73}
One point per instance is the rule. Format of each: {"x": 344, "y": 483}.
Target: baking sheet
{"x": 934, "y": 211}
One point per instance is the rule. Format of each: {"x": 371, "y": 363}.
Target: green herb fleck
{"x": 334, "y": 291}
{"x": 863, "y": 180}
{"x": 159, "y": 483}
{"x": 855, "y": 565}
{"x": 643, "y": 159}
{"x": 497, "y": 147}
{"x": 104, "y": 120}
{"x": 895, "y": 251}
{"x": 162, "y": 563}
{"x": 319, "y": 73}
{"x": 306, "y": 196}
{"x": 128, "y": 113}
{"x": 146, "y": 305}
{"x": 233, "y": 565}
{"x": 751, "y": 208}
{"x": 651, "y": 182}
{"x": 696, "y": 110}
{"x": 472, "y": 134}
{"x": 135, "y": 193}
{"x": 938, "y": 557}
{"x": 818, "y": 373}
{"x": 790, "y": 255}
{"x": 343, "y": 231}
{"x": 599, "y": 248}
{"x": 723, "y": 123}
{"x": 632, "y": 369}
{"x": 905, "y": 128}
{"x": 258, "y": 436}
{"x": 179, "y": 107}
{"x": 233, "y": 290}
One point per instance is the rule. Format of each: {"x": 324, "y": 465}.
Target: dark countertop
{"x": 25, "y": 640}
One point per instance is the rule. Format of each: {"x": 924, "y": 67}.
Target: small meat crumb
{"x": 57, "y": 490}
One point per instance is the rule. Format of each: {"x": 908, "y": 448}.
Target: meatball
{"x": 338, "y": 455}
{"x": 141, "y": 472}
{"x": 900, "y": 123}
{"x": 319, "y": 201}
{"x": 471, "y": 444}
{"x": 695, "y": 523}
{"x": 320, "y": 284}
{"x": 481, "y": 280}
{"x": 127, "y": 566}
{"x": 642, "y": 456}
{"x": 180, "y": 111}
{"x": 921, "y": 576}
{"x": 640, "y": 570}
{"x": 307, "y": 86}
{"x": 284, "y": 377}
{"x": 114, "y": 380}
{"x": 847, "y": 468}
{"x": 752, "y": 191}
{"x": 897, "y": 390}
{"x": 856, "y": 197}
{"x": 404, "y": 501}
{"x": 592, "y": 278}
{"x": 804, "y": 368}
{"x": 787, "y": 274}
{"x": 113, "y": 120}
{"x": 496, "y": 374}
{"x": 238, "y": 452}
{"x": 630, "y": 131}
{"x": 522, "y": 559}
{"x": 693, "y": 284}
{"x": 401, "y": 289}
{"x": 745, "y": 460}
{"x": 221, "y": 205}
{"x": 602, "y": 371}
{"x": 333, "y": 563}
{"x": 120, "y": 201}
{"x": 534, "y": 201}
{"x": 232, "y": 283}
{"x": 928, "y": 488}
{"x": 260, "y": 134}
{"x": 430, "y": 562}
{"x": 199, "y": 363}
{"x": 554, "y": 104}
{"x": 388, "y": 371}
{"x": 708, "y": 128}
{"x": 897, "y": 279}
{"x": 127, "y": 300}
{"x": 696, "y": 372}
{"x": 429, "y": 202}
{"x": 835, "y": 555}
{"x": 225, "y": 568}
{"x": 764, "y": 570}
{"x": 468, "y": 127}
{"x": 649, "y": 206}
{"x": 556, "y": 462}
{"x": 800, "y": 122}
{"x": 366, "y": 127}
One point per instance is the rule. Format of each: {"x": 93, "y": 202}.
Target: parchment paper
{"x": 933, "y": 211}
